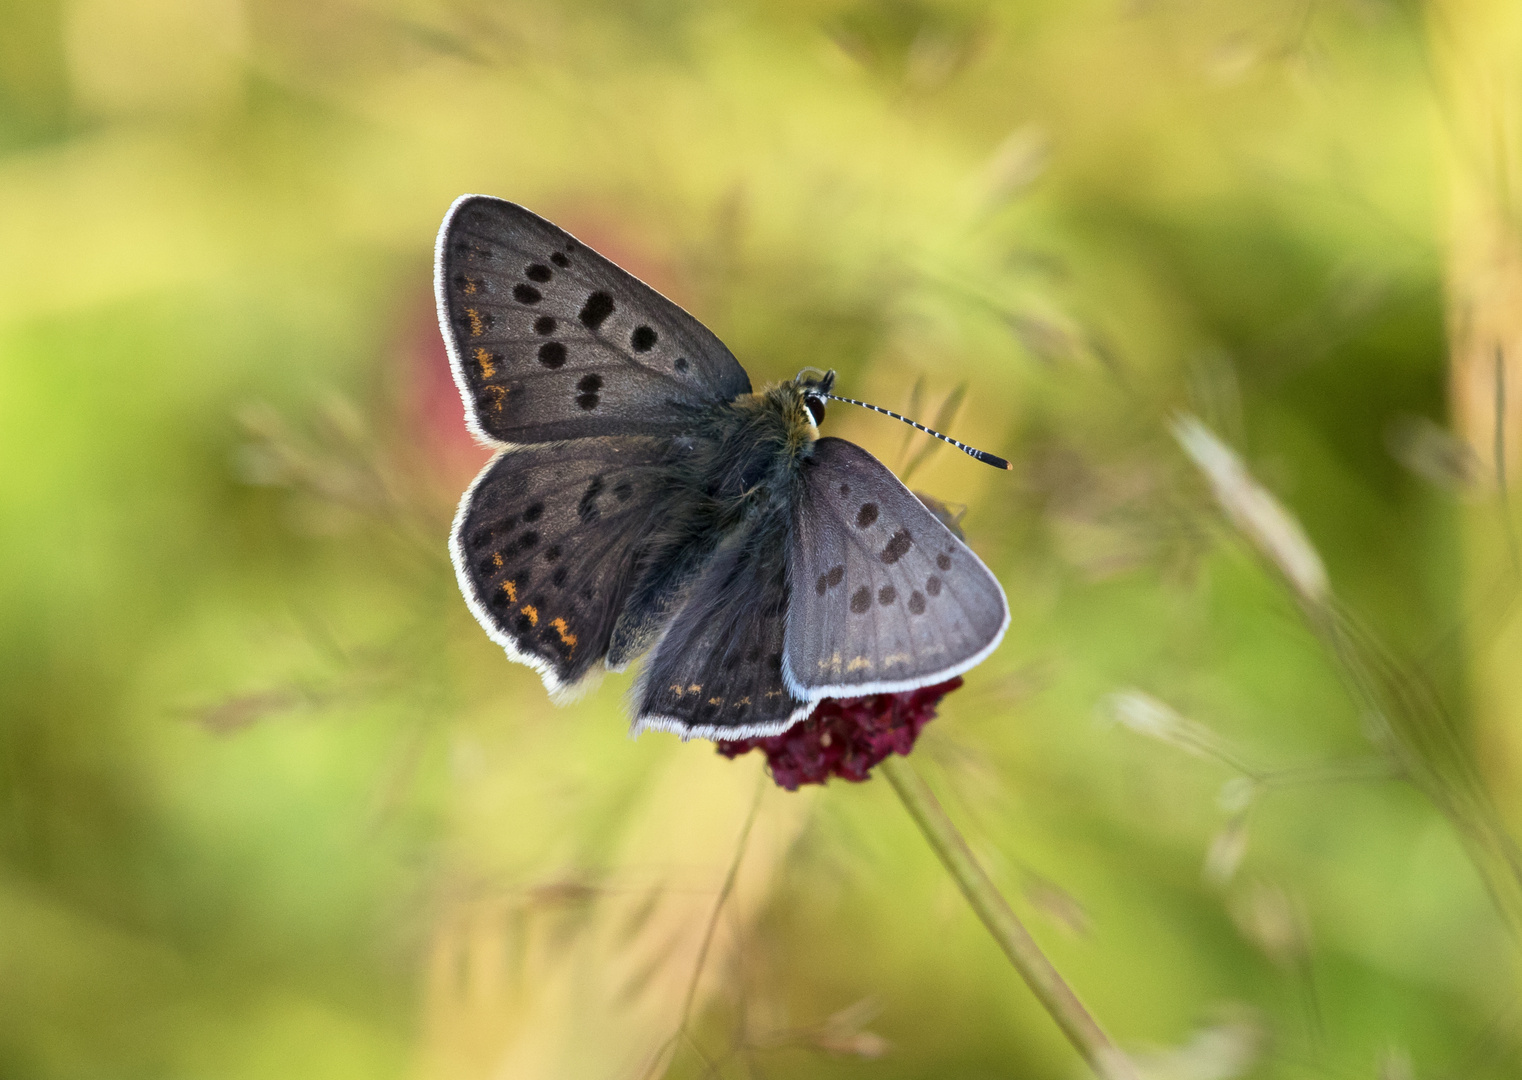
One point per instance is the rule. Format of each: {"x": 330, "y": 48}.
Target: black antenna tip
{"x": 982, "y": 455}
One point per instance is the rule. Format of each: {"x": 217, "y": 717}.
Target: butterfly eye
{"x": 816, "y": 409}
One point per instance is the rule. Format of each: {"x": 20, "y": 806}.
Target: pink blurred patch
{"x": 435, "y": 414}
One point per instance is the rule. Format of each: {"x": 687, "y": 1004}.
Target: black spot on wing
{"x": 866, "y": 515}
{"x": 475, "y": 322}
{"x": 522, "y": 544}
{"x": 490, "y": 399}
{"x": 587, "y": 509}
{"x": 539, "y": 272}
{"x": 560, "y": 260}
{"x": 943, "y": 561}
{"x": 552, "y": 354}
{"x": 898, "y": 546}
{"x": 590, "y": 384}
{"x": 544, "y": 326}
{"x": 916, "y": 603}
{"x": 861, "y": 600}
{"x": 886, "y": 595}
{"x": 933, "y": 585}
{"x": 643, "y": 339}
{"x": 526, "y": 294}
{"x": 596, "y": 310}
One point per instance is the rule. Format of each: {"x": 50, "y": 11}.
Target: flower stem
{"x": 1082, "y": 1030}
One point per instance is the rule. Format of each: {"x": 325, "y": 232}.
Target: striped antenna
{"x": 982, "y": 455}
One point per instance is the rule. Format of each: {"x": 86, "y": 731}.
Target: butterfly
{"x": 643, "y": 499}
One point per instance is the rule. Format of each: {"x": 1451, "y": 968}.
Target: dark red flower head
{"x": 846, "y": 737}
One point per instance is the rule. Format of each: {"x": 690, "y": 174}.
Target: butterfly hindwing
{"x": 549, "y": 340}
{"x": 717, "y": 671}
{"x": 546, "y": 541}
{"x": 885, "y": 597}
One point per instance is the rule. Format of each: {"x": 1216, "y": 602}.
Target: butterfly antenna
{"x": 982, "y": 455}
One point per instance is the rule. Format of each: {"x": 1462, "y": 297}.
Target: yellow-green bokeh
{"x": 272, "y": 805}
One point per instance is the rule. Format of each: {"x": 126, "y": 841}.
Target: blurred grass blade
{"x": 911, "y": 410}
{"x": 1404, "y": 716}
{"x": 944, "y": 417}
{"x": 1260, "y": 517}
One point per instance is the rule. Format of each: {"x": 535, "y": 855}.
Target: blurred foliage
{"x": 272, "y": 805}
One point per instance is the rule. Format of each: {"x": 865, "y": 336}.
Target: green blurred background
{"x": 272, "y": 805}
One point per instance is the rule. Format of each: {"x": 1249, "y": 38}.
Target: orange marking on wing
{"x": 532, "y": 612}
{"x": 694, "y": 688}
{"x": 744, "y": 701}
{"x": 715, "y": 701}
{"x": 677, "y": 689}
{"x": 512, "y": 591}
{"x": 475, "y": 321}
{"x": 566, "y": 637}
{"x": 484, "y": 359}
{"x": 470, "y": 286}
{"x": 496, "y": 560}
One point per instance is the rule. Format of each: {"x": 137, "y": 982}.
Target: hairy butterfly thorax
{"x": 644, "y": 499}
{"x": 763, "y": 442}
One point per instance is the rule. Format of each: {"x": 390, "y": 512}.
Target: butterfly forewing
{"x": 884, "y": 597}
{"x": 551, "y": 341}
{"x": 717, "y": 672}
{"x": 546, "y": 543}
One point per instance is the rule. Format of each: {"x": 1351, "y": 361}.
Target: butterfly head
{"x": 815, "y": 386}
